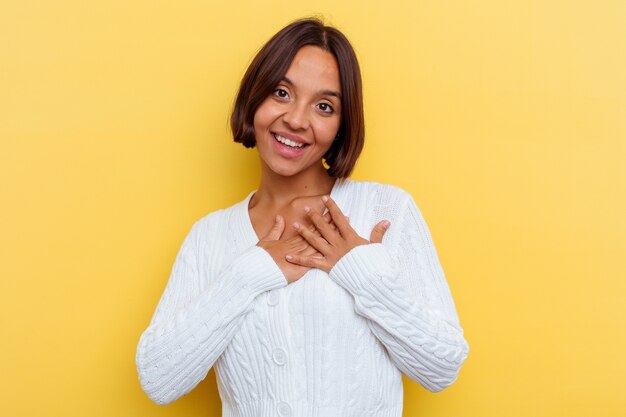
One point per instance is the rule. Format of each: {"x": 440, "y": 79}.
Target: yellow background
{"x": 506, "y": 120}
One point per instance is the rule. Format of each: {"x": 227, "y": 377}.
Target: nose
{"x": 296, "y": 117}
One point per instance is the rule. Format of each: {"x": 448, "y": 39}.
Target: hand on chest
{"x": 264, "y": 220}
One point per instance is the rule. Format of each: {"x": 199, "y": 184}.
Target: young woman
{"x": 316, "y": 292}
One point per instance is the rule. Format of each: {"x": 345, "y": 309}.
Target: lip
{"x": 291, "y": 136}
{"x": 287, "y": 151}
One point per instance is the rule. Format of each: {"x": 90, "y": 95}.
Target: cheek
{"x": 265, "y": 116}
{"x": 259, "y": 119}
{"x": 330, "y": 129}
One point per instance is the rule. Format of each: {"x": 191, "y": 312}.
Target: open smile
{"x": 288, "y": 148}
{"x": 289, "y": 142}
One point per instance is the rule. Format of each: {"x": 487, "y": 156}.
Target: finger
{"x": 326, "y": 218}
{"x": 329, "y": 220}
{"x": 301, "y": 247}
{"x": 328, "y": 232}
{"x": 317, "y": 242}
{"x": 338, "y": 217}
{"x": 277, "y": 230}
{"x": 379, "y": 231}
{"x": 326, "y": 215}
{"x": 313, "y": 229}
{"x": 310, "y": 261}
{"x": 308, "y": 251}
{"x": 298, "y": 243}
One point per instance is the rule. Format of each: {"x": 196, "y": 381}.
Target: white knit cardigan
{"x": 327, "y": 345}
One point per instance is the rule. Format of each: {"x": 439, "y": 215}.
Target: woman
{"x": 301, "y": 314}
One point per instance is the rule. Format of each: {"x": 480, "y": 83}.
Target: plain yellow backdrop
{"x": 506, "y": 120}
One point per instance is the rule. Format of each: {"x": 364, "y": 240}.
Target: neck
{"x": 278, "y": 190}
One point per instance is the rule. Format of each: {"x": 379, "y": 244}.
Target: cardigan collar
{"x": 242, "y": 214}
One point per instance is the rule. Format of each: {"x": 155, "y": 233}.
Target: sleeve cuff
{"x": 257, "y": 270}
{"x": 362, "y": 265}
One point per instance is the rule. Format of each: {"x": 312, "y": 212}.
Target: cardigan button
{"x": 279, "y": 356}
{"x": 272, "y": 298}
{"x": 284, "y": 410}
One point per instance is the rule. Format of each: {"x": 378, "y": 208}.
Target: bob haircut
{"x": 269, "y": 67}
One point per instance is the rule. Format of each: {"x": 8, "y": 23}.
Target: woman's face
{"x": 296, "y": 124}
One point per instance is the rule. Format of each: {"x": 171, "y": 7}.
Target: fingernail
{"x": 386, "y": 224}
{"x": 307, "y": 209}
{"x": 277, "y": 218}
{"x": 296, "y": 226}
{"x": 289, "y": 257}
{"x": 325, "y": 199}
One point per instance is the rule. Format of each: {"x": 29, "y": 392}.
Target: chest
{"x": 263, "y": 219}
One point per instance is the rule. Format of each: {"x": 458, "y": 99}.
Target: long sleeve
{"x": 191, "y": 328}
{"x": 403, "y": 293}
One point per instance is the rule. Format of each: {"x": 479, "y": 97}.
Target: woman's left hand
{"x": 335, "y": 242}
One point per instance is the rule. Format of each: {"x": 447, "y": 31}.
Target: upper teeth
{"x": 288, "y": 142}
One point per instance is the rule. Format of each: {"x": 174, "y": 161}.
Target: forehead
{"x": 312, "y": 66}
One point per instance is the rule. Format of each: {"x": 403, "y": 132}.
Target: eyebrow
{"x": 324, "y": 92}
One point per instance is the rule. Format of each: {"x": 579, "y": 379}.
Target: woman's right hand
{"x": 278, "y": 249}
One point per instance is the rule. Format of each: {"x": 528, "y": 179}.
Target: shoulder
{"x": 377, "y": 193}
{"x": 215, "y": 224}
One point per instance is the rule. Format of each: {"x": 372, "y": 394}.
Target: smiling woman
{"x": 268, "y": 74}
{"x": 320, "y": 318}
{"x": 295, "y": 126}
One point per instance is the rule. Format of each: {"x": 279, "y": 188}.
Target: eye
{"x": 281, "y": 93}
{"x": 326, "y": 108}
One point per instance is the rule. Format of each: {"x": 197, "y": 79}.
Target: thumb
{"x": 379, "y": 231}
{"x": 277, "y": 230}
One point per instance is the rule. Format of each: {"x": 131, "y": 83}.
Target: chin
{"x": 289, "y": 169}
{"x": 286, "y": 168}
{"x": 286, "y": 172}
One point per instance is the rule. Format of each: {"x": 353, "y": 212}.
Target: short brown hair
{"x": 269, "y": 67}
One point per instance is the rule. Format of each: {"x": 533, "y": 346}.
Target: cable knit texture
{"x": 326, "y": 345}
